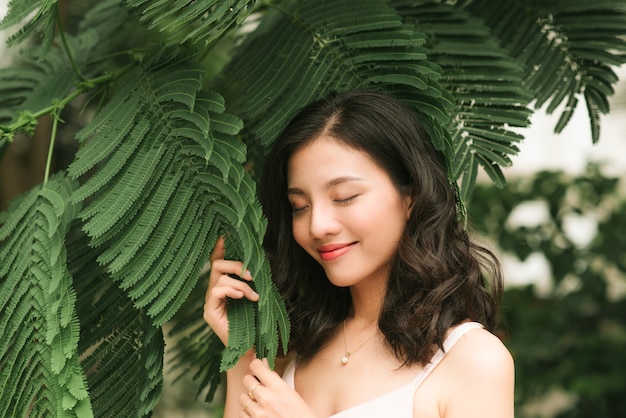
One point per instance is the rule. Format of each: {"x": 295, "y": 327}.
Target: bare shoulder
{"x": 480, "y": 351}
{"x": 479, "y": 376}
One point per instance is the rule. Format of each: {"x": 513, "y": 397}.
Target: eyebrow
{"x": 331, "y": 183}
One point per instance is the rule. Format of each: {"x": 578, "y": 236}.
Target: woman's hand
{"x": 222, "y": 286}
{"x": 269, "y": 396}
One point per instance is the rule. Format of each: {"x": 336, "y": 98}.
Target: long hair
{"x": 438, "y": 276}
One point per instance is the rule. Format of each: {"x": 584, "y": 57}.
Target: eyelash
{"x": 345, "y": 201}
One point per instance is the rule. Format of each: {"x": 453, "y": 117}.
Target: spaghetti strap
{"x": 398, "y": 402}
{"x": 450, "y": 341}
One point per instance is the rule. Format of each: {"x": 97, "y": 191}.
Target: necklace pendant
{"x": 345, "y": 358}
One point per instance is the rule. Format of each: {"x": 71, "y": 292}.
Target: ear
{"x": 408, "y": 204}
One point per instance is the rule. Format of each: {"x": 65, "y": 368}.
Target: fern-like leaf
{"x": 40, "y": 371}
{"x": 163, "y": 186}
{"x": 567, "y": 48}
{"x": 318, "y": 46}
{"x": 42, "y": 20}
{"x": 31, "y": 85}
{"x": 132, "y": 189}
{"x": 197, "y": 350}
{"x": 195, "y": 21}
{"x": 241, "y": 336}
{"x": 487, "y": 86}
{"x": 122, "y": 351}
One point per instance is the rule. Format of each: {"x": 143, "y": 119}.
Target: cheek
{"x": 388, "y": 224}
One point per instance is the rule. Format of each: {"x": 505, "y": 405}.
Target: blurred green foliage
{"x": 572, "y": 337}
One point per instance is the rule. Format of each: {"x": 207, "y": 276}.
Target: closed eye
{"x": 296, "y": 210}
{"x": 346, "y": 200}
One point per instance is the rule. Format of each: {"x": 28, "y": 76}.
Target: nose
{"x": 323, "y": 222}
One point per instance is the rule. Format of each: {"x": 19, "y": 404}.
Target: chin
{"x": 340, "y": 282}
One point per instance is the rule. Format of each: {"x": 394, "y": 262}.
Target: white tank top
{"x": 399, "y": 402}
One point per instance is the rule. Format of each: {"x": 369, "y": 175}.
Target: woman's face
{"x": 347, "y": 214}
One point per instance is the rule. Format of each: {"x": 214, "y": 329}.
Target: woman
{"x": 391, "y": 312}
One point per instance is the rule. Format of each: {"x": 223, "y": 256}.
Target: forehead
{"x": 326, "y": 153}
{"x": 326, "y": 158}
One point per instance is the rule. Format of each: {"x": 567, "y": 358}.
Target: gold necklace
{"x": 346, "y": 357}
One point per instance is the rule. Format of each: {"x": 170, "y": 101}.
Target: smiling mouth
{"x": 332, "y": 252}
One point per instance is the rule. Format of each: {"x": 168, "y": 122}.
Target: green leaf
{"x": 485, "y": 82}
{"x": 33, "y": 15}
{"x": 40, "y": 322}
{"x": 318, "y": 46}
{"x": 193, "y": 21}
{"x": 561, "y": 41}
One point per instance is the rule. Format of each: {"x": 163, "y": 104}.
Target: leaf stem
{"x": 29, "y": 120}
{"x": 53, "y": 136}
{"x": 81, "y": 88}
{"x": 66, "y": 47}
{"x": 134, "y": 53}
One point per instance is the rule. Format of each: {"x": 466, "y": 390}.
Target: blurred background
{"x": 559, "y": 229}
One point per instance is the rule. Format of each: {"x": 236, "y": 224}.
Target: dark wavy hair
{"x": 438, "y": 277}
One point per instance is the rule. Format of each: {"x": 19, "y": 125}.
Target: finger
{"x": 247, "y": 404}
{"x": 227, "y": 285}
{"x": 252, "y": 385}
{"x": 264, "y": 374}
{"x": 219, "y": 250}
{"x": 221, "y": 293}
{"x": 231, "y": 267}
{"x": 225, "y": 279}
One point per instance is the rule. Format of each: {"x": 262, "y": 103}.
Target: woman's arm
{"x": 234, "y": 385}
{"x": 486, "y": 379}
{"x": 480, "y": 379}
{"x": 221, "y": 287}
{"x": 252, "y": 389}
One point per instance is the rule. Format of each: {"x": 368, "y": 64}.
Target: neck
{"x": 367, "y": 301}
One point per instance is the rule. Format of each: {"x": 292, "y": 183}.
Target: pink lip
{"x": 333, "y": 251}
